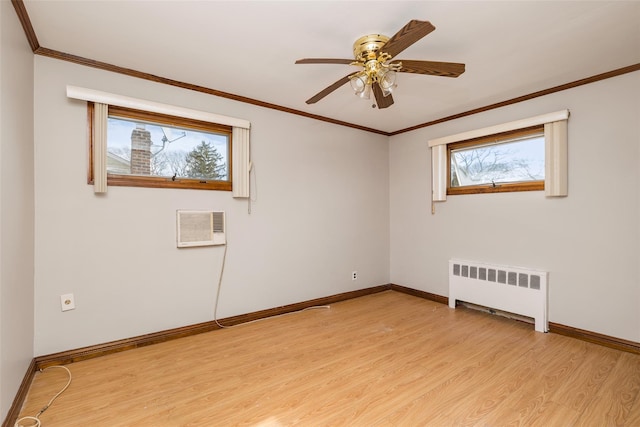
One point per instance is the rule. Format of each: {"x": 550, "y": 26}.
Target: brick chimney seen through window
{"x": 140, "y": 150}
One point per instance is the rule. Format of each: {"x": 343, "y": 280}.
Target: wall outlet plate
{"x": 67, "y": 302}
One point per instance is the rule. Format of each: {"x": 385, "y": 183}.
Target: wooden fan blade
{"x": 381, "y": 100}
{"x": 433, "y": 68}
{"x": 324, "y": 61}
{"x": 326, "y": 91}
{"x": 408, "y": 35}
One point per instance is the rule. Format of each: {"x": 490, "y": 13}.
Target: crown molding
{"x": 43, "y": 51}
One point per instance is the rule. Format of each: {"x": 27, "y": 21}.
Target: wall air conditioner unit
{"x": 200, "y": 228}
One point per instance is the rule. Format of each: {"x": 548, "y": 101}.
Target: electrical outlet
{"x": 354, "y": 275}
{"x": 67, "y": 302}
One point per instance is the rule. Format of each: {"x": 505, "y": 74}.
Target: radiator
{"x": 514, "y": 290}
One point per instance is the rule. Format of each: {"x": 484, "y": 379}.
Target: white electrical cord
{"x": 38, "y": 423}
{"x": 314, "y": 307}
{"x": 215, "y": 307}
{"x": 251, "y": 199}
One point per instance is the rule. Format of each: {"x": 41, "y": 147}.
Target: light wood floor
{"x": 388, "y": 359}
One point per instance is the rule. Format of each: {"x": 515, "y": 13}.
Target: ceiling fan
{"x": 375, "y": 54}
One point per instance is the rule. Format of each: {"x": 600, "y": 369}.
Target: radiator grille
{"x": 515, "y": 290}
{"x": 509, "y": 277}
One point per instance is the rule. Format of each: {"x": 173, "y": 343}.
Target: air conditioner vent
{"x": 200, "y": 228}
{"x": 218, "y": 222}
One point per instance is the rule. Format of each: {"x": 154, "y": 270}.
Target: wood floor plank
{"x": 633, "y": 418}
{"x": 383, "y": 359}
{"x": 424, "y": 369}
{"x": 447, "y": 403}
{"x": 591, "y": 370}
{"x": 616, "y": 397}
{"x": 548, "y": 372}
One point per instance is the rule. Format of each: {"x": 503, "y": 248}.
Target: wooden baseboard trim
{"x": 596, "y": 338}
{"x": 556, "y": 328}
{"x": 98, "y": 350}
{"x": 421, "y": 294}
{"x": 21, "y": 395}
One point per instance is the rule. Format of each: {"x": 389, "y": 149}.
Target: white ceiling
{"x": 248, "y": 48}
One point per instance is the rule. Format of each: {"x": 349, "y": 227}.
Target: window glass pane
{"x": 147, "y": 149}
{"x": 511, "y": 161}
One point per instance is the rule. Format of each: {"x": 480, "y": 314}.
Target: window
{"x": 146, "y": 149}
{"x": 510, "y": 161}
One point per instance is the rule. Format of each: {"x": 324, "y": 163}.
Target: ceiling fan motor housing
{"x": 367, "y": 47}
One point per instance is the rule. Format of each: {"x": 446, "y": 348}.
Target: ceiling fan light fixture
{"x": 366, "y": 93}
{"x": 358, "y": 82}
{"x": 387, "y": 82}
{"x": 387, "y": 79}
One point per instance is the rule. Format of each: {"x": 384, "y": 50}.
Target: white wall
{"x": 325, "y": 198}
{"x": 321, "y": 212}
{"x": 16, "y": 206}
{"x": 589, "y": 241}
